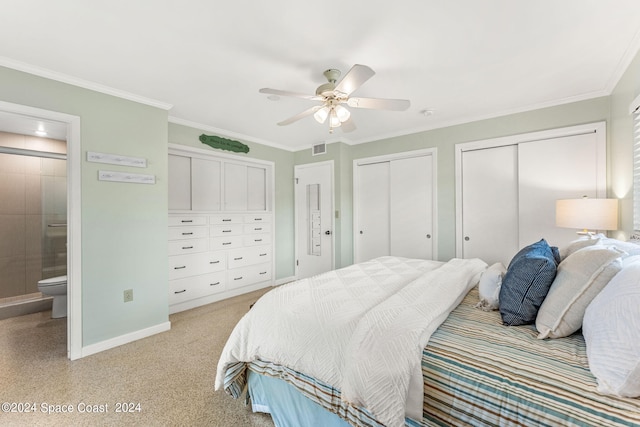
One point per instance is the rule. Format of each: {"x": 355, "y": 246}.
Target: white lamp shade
{"x": 342, "y": 113}
{"x": 587, "y": 214}
{"x": 321, "y": 114}
{"x": 334, "y": 121}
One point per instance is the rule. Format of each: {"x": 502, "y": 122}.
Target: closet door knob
{"x": 466, "y": 238}
{"x": 428, "y": 236}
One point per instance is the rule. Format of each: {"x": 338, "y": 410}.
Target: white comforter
{"x": 360, "y": 329}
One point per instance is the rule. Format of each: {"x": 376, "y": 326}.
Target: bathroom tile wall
{"x": 26, "y": 185}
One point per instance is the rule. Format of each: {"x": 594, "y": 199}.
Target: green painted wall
{"x": 124, "y": 226}
{"x": 283, "y": 174}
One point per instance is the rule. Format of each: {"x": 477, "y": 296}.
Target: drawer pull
{"x": 226, "y": 231}
{"x": 214, "y": 284}
{"x": 180, "y": 268}
{"x": 263, "y": 272}
{"x": 214, "y": 262}
{"x": 187, "y": 234}
{"x": 237, "y": 278}
{"x": 179, "y": 292}
{"x": 257, "y": 240}
{"x": 236, "y": 259}
{"x": 186, "y": 220}
{"x": 226, "y": 243}
{"x": 226, "y": 219}
{"x": 263, "y": 255}
{"x": 257, "y": 229}
{"x": 187, "y": 247}
{"x": 257, "y": 219}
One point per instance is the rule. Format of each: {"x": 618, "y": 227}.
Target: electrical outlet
{"x": 128, "y": 295}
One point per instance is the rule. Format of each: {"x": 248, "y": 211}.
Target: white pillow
{"x": 611, "y": 330}
{"x": 580, "y": 277}
{"x": 489, "y": 287}
{"x": 578, "y": 244}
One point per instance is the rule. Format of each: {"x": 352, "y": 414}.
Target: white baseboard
{"x": 125, "y": 339}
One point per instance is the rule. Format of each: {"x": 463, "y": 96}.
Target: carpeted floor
{"x": 163, "y": 380}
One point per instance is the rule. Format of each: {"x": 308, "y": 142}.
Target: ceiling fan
{"x": 332, "y": 95}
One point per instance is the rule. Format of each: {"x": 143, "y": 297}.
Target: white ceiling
{"x": 463, "y": 59}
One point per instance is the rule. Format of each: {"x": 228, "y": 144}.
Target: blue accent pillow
{"x": 526, "y": 283}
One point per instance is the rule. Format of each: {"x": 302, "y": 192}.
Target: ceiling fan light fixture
{"x": 334, "y": 120}
{"x": 342, "y": 113}
{"x": 321, "y": 114}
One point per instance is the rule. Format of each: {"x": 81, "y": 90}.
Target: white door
{"x": 411, "y": 207}
{"x": 490, "y": 204}
{"x": 552, "y": 169}
{"x": 372, "y": 211}
{"x": 314, "y": 195}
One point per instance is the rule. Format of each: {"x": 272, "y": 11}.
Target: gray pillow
{"x": 526, "y": 283}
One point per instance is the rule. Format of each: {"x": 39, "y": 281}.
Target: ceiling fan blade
{"x": 379, "y": 103}
{"x": 357, "y": 75}
{"x": 299, "y": 116}
{"x": 348, "y": 126}
{"x": 289, "y": 93}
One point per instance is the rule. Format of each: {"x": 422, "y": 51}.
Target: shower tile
{"x": 12, "y": 241}
{"x": 33, "y": 194}
{"x": 12, "y": 193}
{"x": 12, "y": 276}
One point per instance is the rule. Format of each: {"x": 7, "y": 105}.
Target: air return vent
{"x": 318, "y": 149}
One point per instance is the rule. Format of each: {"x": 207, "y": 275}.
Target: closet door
{"x": 411, "y": 207}
{"x": 373, "y": 211}
{"x": 205, "y": 184}
{"x": 490, "y": 204}
{"x": 256, "y": 188}
{"x": 235, "y": 187}
{"x": 552, "y": 169}
{"x": 179, "y": 182}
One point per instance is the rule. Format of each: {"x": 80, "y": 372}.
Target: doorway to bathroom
{"x": 51, "y": 244}
{"x": 33, "y": 215}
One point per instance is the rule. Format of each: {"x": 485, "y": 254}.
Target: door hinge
{"x": 296, "y": 180}
{"x": 297, "y": 263}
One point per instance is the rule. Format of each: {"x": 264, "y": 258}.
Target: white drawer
{"x": 257, "y": 239}
{"x": 175, "y": 220}
{"x": 181, "y": 247}
{"x": 176, "y": 233}
{"x": 185, "y": 265}
{"x": 226, "y": 219}
{"x": 248, "y": 275}
{"x": 226, "y": 242}
{"x": 257, "y": 228}
{"x": 225, "y": 230}
{"x": 194, "y": 264}
{"x": 195, "y": 287}
{"x": 215, "y": 261}
{"x": 249, "y": 256}
{"x": 257, "y": 217}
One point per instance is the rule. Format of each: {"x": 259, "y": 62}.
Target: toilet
{"x": 57, "y": 288}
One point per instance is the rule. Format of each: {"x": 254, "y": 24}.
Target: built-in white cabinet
{"x": 220, "y": 227}
{"x": 507, "y": 188}
{"x": 394, "y": 198}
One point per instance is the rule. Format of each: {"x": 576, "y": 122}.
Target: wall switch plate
{"x": 128, "y": 295}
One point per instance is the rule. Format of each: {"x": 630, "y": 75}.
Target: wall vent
{"x": 319, "y": 149}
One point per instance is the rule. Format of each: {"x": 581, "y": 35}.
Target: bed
{"x": 461, "y": 366}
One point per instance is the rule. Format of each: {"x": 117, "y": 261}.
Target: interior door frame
{"x": 296, "y": 168}
{"x": 599, "y": 128}
{"x": 74, "y": 218}
{"x": 433, "y": 152}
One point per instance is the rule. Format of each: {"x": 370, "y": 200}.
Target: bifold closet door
{"x": 372, "y": 211}
{"x": 490, "y": 204}
{"x": 411, "y": 207}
